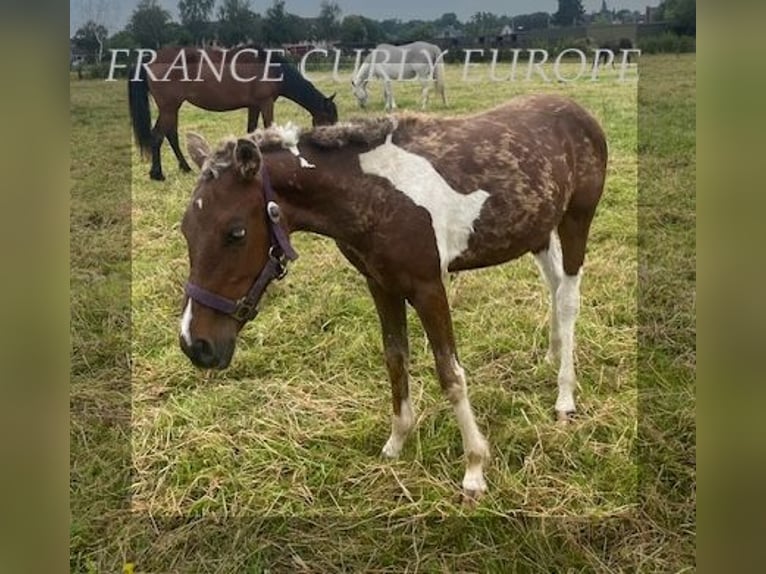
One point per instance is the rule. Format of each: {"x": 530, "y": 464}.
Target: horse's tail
{"x": 140, "y": 116}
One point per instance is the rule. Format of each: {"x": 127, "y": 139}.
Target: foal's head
{"x": 227, "y": 235}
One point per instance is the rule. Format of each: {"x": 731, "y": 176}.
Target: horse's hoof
{"x": 471, "y": 497}
{"x": 474, "y": 486}
{"x": 185, "y": 168}
{"x": 563, "y": 418}
{"x": 157, "y": 176}
{"x": 391, "y": 450}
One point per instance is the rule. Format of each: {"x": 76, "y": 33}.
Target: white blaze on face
{"x": 452, "y": 214}
{"x": 186, "y": 320}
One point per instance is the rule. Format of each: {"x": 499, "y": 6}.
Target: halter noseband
{"x": 281, "y": 253}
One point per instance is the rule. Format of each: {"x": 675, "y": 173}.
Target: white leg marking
{"x": 568, "y": 306}
{"x": 400, "y": 427}
{"x": 186, "y": 320}
{"x": 475, "y": 446}
{"x": 552, "y": 270}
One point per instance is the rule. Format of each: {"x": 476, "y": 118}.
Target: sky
{"x": 114, "y": 14}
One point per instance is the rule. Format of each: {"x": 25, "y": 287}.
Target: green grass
{"x": 275, "y": 462}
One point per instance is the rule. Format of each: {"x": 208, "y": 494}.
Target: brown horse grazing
{"x": 407, "y": 200}
{"x": 179, "y": 75}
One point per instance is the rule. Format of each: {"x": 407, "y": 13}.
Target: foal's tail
{"x": 138, "y": 100}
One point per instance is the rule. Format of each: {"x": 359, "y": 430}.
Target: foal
{"x": 407, "y": 200}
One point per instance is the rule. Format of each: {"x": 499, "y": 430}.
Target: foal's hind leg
{"x": 551, "y": 268}
{"x": 573, "y": 232}
{"x": 393, "y": 321}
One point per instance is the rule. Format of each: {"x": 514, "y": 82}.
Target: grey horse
{"x": 419, "y": 60}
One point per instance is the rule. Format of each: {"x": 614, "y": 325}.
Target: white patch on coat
{"x": 305, "y": 162}
{"x": 198, "y": 203}
{"x": 297, "y": 153}
{"x": 289, "y": 134}
{"x": 186, "y": 320}
{"x": 452, "y": 214}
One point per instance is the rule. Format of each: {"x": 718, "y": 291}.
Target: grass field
{"x": 274, "y": 464}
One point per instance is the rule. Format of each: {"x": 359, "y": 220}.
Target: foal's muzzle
{"x": 205, "y": 355}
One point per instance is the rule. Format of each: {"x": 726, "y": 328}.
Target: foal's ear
{"x": 198, "y": 148}
{"x": 331, "y": 98}
{"x": 248, "y": 158}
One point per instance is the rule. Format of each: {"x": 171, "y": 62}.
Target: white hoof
{"x": 393, "y": 448}
{"x": 474, "y": 483}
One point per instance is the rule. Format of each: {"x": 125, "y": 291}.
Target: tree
{"x": 570, "y": 13}
{"x": 328, "y": 23}
{"x": 280, "y": 27}
{"x": 148, "y": 24}
{"x": 417, "y": 30}
{"x": 123, "y": 40}
{"x": 195, "y": 16}
{"x": 90, "y": 38}
{"x": 391, "y": 28}
{"x": 93, "y": 34}
{"x": 446, "y": 20}
{"x": 237, "y": 23}
{"x": 375, "y": 33}
{"x": 682, "y": 15}
{"x": 625, "y": 16}
{"x": 533, "y": 21}
{"x": 353, "y": 30}
{"x": 484, "y": 25}
{"x": 601, "y": 18}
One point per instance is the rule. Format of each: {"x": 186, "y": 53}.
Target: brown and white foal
{"x": 407, "y": 200}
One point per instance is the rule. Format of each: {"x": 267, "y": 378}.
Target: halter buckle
{"x": 245, "y": 311}
{"x": 279, "y": 258}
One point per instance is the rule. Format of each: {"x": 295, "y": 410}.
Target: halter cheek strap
{"x": 281, "y": 252}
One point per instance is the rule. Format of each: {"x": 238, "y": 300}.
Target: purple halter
{"x": 281, "y": 253}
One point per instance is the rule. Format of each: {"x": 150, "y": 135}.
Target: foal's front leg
{"x": 393, "y": 321}
{"x": 431, "y": 304}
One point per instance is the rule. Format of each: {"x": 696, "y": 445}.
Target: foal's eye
{"x": 237, "y": 234}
